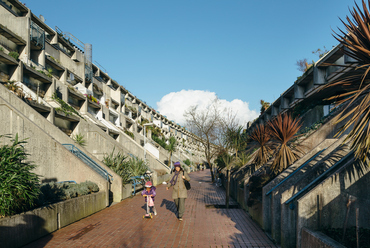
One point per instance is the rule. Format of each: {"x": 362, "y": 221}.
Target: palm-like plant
{"x": 283, "y": 129}
{"x": 171, "y": 147}
{"x": 79, "y": 139}
{"x": 229, "y": 162}
{"x": 116, "y": 161}
{"x": 262, "y": 136}
{"x": 242, "y": 159}
{"x": 137, "y": 166}
{"x": 356, "y": 40}
{"x": 235, "y": 139}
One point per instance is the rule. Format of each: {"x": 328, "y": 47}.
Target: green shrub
{"x": 19, "y": 187}
{"x": 93, "y": 187}
{"x": 56, "y": 192}
{"x": 71, "y": 193}
{"x": 51, "y": 193}
{"x": 161, "y": 142}
{"x": 118, "y": 164}
{"x": 187, "y": 162}
{"x": 125, "y": 168}
{"x": 82, "y": 189}
{"x": 137, "y": 166}
{"x": 14, "y": 54}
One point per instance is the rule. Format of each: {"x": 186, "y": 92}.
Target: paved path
{"x": 122, "y": 225}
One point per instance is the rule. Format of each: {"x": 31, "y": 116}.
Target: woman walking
{"x": 179, "y": 192}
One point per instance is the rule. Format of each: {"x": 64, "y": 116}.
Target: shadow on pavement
{"x": 170, "y": 205}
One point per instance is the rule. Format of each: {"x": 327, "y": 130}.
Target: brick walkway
{"x": 122, "y": 225}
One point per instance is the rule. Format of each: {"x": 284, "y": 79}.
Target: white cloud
{"x": 174, "y": 104}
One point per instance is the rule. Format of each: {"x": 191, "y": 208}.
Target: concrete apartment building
{"x": 64, "y": 94}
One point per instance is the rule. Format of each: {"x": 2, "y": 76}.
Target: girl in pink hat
{"x": 150, "y": 191}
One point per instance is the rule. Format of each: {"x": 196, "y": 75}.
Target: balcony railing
{"x": 37, "y": 35}
{"x": 88, "y": 73}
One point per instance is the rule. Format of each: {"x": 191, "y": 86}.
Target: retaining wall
{"x": 272, "y": 203}
{"x": 326, "y": 204}
{"x": 21, "y": 229}
{"x": 318, "y": 240}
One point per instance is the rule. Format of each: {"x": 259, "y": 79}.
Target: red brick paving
{"x": 122, "y": 225}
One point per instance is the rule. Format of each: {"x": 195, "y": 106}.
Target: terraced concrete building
{"x": 57, "y": 92}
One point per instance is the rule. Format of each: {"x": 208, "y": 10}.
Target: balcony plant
{"x": 91, "y": 98}
{"x": 13, "y": 87}
{"x": 50, "y": 71}
{"x": 14, "y": 54}
{"x": 65, "y": 108}
{"x": 129, "y": 134}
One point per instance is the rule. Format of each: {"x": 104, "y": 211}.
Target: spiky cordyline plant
{"x": 262, "y": 136}
{"x": 357, "y": 100}
{"x": 283, "y": 129}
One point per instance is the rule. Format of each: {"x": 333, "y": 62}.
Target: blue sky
{"x": 237, "y": 49}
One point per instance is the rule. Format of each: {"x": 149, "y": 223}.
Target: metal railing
{"x": 137, "y": 180}
{"x": 88, "y": 73}
{"x": 37, "y": 35}
{"x": 331, "y": 169}
{"x": 298, "y": 169}
{"x": 90, "y": 162}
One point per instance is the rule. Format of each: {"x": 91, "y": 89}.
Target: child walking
{"x": 150, "y": 192}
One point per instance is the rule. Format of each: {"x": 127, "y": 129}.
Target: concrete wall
{"x": 21, "y": 229}
{"x": 312, "y": 239}
{"x": 326, "y": 204}
{"x": 287, "y": 217}
{"x": 271, "y": 203}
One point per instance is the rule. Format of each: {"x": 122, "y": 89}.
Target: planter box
{"x": 126, "y": 191}
{"x": 21, "y": 229}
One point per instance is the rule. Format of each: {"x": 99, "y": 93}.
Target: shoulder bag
{"x": 186, "y": 182}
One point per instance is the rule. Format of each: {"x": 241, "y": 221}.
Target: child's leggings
{"x": 154, "y": 210}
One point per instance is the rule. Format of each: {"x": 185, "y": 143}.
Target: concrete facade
{"x": 50, "y": 61}
{"x": 50, "y": 64}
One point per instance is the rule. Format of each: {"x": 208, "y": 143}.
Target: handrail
{"x": 136, "y": 181}
{"x": 163, "y": 164}
{"x": 318, "y": 178}
{"x": 90, "y": 162}
{"x": 298, "y": 169}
